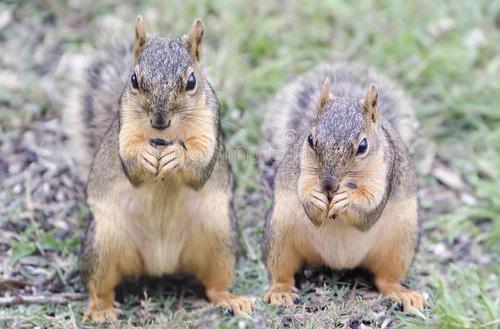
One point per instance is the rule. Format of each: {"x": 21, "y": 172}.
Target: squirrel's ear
{"x": 140, "y": 35}
{"x": 325, "y": 96}
{"x": 194, "y": 38}
{"x": 370, "y": 103}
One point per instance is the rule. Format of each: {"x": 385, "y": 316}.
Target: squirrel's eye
{"x": 191, "y": 83}
{"x": 310, "y": 140}
{"x": 133, "y": 79}
{"x": 362, "y": 147}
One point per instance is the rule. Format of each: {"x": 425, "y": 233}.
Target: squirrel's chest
{"x": 341, "y": 246}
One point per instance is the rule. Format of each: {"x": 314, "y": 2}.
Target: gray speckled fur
{"x": 291, "y": 115}
{"x": 293, "y": 108}
{"x": 163, "y": 70}
{"x": 106, "y": 77}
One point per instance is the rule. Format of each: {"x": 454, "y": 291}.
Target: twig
{"x": 12, "y": 284}
{"x": 353, "y": 290}
{"x": 47, "y": 299}
{"x": 29, "y": 208}
{"x": 27, "y": 195}
{"x": 179, "y": 303}
{"x": 72, "y": 316}
{"x": 250, "y": 252}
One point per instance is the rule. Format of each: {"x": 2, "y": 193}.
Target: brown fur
{"x": 161, "y": 209}
{"x": 335, "y": 206}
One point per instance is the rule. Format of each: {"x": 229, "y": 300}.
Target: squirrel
{"x": 345, "y": 186}
{"x": 160, "y": 187}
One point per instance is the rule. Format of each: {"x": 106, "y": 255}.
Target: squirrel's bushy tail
{"x": 92, "y": 103}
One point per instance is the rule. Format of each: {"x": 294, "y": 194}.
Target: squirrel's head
{"x": 166, "y": 83}
{"x": 344, "y": 141}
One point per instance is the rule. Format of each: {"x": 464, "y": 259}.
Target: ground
{"x": 445, "y": 54}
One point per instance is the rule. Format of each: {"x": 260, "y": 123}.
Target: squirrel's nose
{"x": 160, "y": 123}
{"x": 329, "y": 184}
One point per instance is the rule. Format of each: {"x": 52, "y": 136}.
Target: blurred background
{"x": 446, "y": 55}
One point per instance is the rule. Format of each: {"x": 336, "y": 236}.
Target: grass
{"x": 445, "y": 54}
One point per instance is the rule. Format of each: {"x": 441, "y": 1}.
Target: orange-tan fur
{"x": 340, "y": 245}
{"x": 198, "y": 134}
{"x": 372, "y": 225}
{"x": 161, "y": 209}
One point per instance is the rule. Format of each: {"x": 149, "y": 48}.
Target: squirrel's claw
{"x": 280, "y": 295}
{"x": 170, "y": 160}
{"x": 338, "y": 204}
{"x": 236, "y": 304}
{"x": 101, "y": 315}
{"x": 395, "y": 291}
{"x": 316, "y": 206}
{"x": 410, "y": 299}
{"x": 319, "y": 200}
{"x": 148, "y": 160}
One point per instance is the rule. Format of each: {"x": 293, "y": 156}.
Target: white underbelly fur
{"x": 341, "y": 246}
{"x": 161, "y": 254}
{"x": 159, "y": 227}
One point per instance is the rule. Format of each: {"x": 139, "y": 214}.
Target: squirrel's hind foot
{"x": 100, "y": 311}
{"x": 280, "y": 294}
{"x": 237, "y": 304}
{"x": 409, "y": 298}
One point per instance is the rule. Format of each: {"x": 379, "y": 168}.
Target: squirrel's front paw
{"x": 316, "y": 206}
{"x": 339, "y": 203}
{"x": 148, "y": 160}
{"x": 171, "y": 159}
